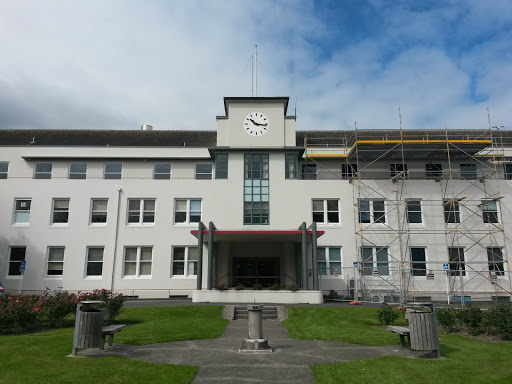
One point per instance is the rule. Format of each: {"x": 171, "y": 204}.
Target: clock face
{"x": 256, "y": 124}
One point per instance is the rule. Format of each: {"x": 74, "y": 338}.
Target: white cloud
{"x": 119, "y": 64}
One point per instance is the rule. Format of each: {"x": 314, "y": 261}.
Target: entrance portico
{"x": 257, "y": 259}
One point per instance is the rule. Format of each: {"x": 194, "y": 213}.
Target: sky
{"x": 118, "y": 64}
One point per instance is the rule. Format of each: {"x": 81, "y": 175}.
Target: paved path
{"x": 221, "y": 363}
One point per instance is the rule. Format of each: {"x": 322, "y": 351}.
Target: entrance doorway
{"x": 250, "y": 271}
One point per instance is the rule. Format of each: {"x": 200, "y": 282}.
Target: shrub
{"x": 275, "y": 287}
{"x": 18, "y": 313}
{"x": 114, "y": 302}
{"x": 57, "y": 307}
{"x": 331, "y": 295}
{"x": 239, "y": 287}
{"x": 294, "y": 287}
{"x": 503, "y": 320}
{"x": 471, "y": 317}
{"x": 387, "y": 315}
{"x": 221, "y": 287}
{"x": 257, "y": 287}
{"x": 447, "y": 318}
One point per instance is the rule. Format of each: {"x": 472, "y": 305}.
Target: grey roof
{"x": 99, "y": 137}
{"x": 171, "y": 138}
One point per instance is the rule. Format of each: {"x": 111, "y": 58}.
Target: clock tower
{"x": 256, "y": 122}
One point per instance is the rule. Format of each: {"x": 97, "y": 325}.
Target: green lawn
{"x": 465, "y": 360}
{"x": 42, "y": 357}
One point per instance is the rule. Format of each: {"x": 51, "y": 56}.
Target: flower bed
{"x": 19, "y": 313}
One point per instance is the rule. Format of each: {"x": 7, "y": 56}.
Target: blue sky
{"x": 118, "y": 64}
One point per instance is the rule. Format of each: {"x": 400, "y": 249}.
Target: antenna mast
{"x": 256, "y": 69}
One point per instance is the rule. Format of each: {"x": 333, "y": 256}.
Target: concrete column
{"x": 210, "y": 256}
{"x": 316, "y": 284}
{"x": 255, "y": 321}
{"x": 304, "y": 282}
{"x": 200, "y": 256}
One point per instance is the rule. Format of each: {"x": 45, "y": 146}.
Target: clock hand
{"x": 255, "y": 123}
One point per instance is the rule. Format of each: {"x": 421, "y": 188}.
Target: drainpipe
{"x": 304, "y": 258}
{"x": 210, "y": 256}
{"x": 200, "y": 257}
{"x": 118, "y": 220}
{"x": 315, "y": 263}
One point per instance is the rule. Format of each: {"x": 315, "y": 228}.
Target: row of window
{"x": 187, "y": 211}
{"x": 308, "y": 171}
{"x": 373, "y": 211}
{"x": 375, "y": 261}
{"x": 137, "y": 261}
{"x": 114, "y": 170}
{"x": 327, "y": 211}
{"x": 140, "y": 211}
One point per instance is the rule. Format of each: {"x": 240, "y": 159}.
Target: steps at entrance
{"x": 269, "y": 313}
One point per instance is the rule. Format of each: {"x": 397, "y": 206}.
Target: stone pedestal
{"x": 255, "y": 343}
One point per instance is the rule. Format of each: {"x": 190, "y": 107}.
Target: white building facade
{"x": 375, "y": 215}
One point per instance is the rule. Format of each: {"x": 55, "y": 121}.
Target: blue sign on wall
{"x": 445, "y": 266}
{"x": 23, "y": 264}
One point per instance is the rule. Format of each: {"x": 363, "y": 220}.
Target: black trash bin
{"x": 88, "y": 325}
{"x": 424, "y": 334}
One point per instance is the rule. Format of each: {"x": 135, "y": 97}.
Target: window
{"x": 508, "y": 171}
{"x": 141, "y": 211}
{"x": 418, "y": 262}
{"x": 414, "y": 211}
{"x": 4, "y": 168}
{"x": 433, "y": 170}
{"x": 490, "y": 211}
{"x": 291, "y": 166}
{"x": 456, "y": 261}
{"x": 204, "y": 171}
{"x": 16, "y": 255}
{"x": 99, "y": 211}
{"x": 60, "y": 211}
{"x": 137, "y": 261}
{"x": 348, "y": 171}
{"x": 113, "y": 170}
{"x": 187, "y": 211}
{"x": 94, "y": 261}
{"x": 221, "y": 165}
{"x": 468, "y": 171}
{"x": 256, "y": 189}
{"x": 372, "y": 211}
{"x": 309, "y": 172}
{"x": 55, "y": 265}
{"x": 399, "y": 170}
{"x": 162, "y": 171}
{"x": 329, "y": 261}
{"x": 21, "y": 211}
{"x": 495, "y": 257}
{"x": 78, "y": 170}
{"x": 374, "y": 261}
{"x": 43, "y": 171}
{"x": 326, "y": 211}
{"x": 451, "y": 211}
{"x": 184, "y": 261}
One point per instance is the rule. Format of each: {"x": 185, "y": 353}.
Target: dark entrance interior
{"x": 250, "y": 271}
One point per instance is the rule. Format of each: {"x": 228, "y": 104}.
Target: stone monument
{"x": 255, "y": 343}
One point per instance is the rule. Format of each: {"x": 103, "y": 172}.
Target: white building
{"x": 380, "y": 215}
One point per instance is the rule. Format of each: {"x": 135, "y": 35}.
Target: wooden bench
{"x": 110, "y": 330}
{"x": 403, "y": 332}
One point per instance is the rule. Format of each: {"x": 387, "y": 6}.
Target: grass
{"x": 42, "y": 357}
{"x": 465, "y": 360}
{"x": 352, "y": 325}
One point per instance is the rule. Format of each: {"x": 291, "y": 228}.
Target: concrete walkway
{"x": 221, "y": 363}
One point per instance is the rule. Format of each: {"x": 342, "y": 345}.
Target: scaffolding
{"x": 393, "y": 216}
